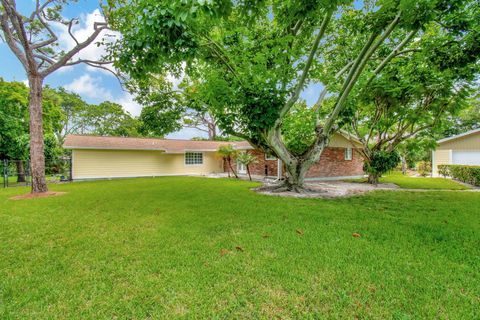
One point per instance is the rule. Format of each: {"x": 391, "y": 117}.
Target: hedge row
{"x": 468, "y": 174}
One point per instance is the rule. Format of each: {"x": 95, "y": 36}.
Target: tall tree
{"x": 415, "y": 94}
{"x": 467, "y": 119}
{"x": 168, "y": 109}
{"x": 109, "y": 119}
{"x": 73, "y": 114}
{"x": 14, "y": 123}
{"x": 34, "y": 41}
{"x": 256, "y": 57}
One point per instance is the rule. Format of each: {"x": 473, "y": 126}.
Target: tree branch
{"x": 10, "y": 40}
{"x": 99, "y": 27}
{"x": 306, "y": 69}
{"x": 357, "y": 68}
{"x": 395, "y": 52}
{"x": 70, "y": 24}
{"x": 53, "y": 36}
{"x": 321, "y": 97}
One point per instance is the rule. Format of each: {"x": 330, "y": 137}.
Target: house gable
{"x": 467, "y": 141}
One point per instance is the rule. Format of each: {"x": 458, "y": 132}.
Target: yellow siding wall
{"x": 440, "y": 157}
{"x": 136, "y": 163}
{"x": 443, "y": 153}
{"x": 339, "y": 141}
{"x": 471, "y": 142}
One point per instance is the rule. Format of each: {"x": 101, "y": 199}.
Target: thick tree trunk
{"x": 20, "y": 171}
{"x": 295, "y": 179}
{"x": 296, "y": 166}
{"x": 37, "y": 155}
{"x": 373, "y": 178}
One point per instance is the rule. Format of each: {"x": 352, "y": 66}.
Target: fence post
{"x": 27, "y": 173}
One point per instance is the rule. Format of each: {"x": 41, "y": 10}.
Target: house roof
{"x": 164, "y": 145}
{"x": 459, "y": 136}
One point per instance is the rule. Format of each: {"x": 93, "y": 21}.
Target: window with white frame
{"x": 269, "y": 156}
{"x": 193, "y": 158}
{"x": 348, "y": 153}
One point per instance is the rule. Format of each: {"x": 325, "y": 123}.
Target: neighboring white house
{"x": 460, "y": 149}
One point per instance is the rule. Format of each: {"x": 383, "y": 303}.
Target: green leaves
{"x": 298, "y": 128}
{"x": 159, "y": 36}
{"x": 14, "y": 119}
{"x": 381, "y": 162}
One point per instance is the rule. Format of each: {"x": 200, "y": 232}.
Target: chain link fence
{"x": 16, "y": 173}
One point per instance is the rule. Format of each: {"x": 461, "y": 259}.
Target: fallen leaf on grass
{"x": 266, "y": 235}
{"x": 239, "y": 248}
{"x": 300, "y": 232}
{"x": 356, "y": 235}
{"x": 224, "y": 252}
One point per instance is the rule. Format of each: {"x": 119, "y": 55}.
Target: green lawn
{"x": 407, "y": 182}
{"x": 166, "y": 248}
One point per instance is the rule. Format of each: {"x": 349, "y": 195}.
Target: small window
{"x": 269, "y": 156}
{"x": 192, "y": 158}
{"x": 348, "y": 154}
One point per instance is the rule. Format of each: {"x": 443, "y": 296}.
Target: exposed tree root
{"x": 287, "y": 187}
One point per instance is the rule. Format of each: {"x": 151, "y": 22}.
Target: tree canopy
{"x": 14, "y": 121}
{"x": 251, "y": 60}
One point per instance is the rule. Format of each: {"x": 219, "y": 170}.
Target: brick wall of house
{"x": 262, "y": 165}
{"x": 332, "y": 163}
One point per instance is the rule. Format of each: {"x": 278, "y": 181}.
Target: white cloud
{"x": 129, "y": 104}
{"x": 90, "y": 87}
{"x": 81, "y": 32}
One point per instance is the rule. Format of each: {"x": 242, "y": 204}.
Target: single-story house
{"x": 95, "y": 157}
{"x": 460, "y": 149}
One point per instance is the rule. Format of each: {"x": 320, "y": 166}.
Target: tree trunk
{"x": 37, "y": 155}
{"x": 296, "y": 166}
{"x": 295, "y": 179}
{"x": 225, "y": 163}
{"x": 212, "y": 131}
{"x": 373, "y": 178}
{"x": 20, "y": 171}
{"x": 231, "y": 168}
{"x": 248, "y": 171}
{"x": 404, "y": 165}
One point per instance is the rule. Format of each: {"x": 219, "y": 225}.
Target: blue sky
{"x": 93, "y": 85}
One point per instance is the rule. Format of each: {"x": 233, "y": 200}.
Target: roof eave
{"x": 458, "y": 136}
{"x": 110, "y": 148}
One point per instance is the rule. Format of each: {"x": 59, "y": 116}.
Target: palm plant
{"x": 228, "y": 153}
{"x": 247, "y": 159}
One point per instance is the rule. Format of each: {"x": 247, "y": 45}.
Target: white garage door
{"x": 466, "y": 157}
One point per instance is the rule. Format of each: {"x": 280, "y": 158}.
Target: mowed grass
{"x": 408, "y": 182}
{"x": 180, "y": 247}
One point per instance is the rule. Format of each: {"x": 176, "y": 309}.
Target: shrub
{"x": 380, "y": 162}
{"x": 468, "y": 174}
{"x": 424, "y": 168}
{"x": 443, "y": 170}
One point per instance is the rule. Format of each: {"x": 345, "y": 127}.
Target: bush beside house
{"x": 468, "y": 174}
